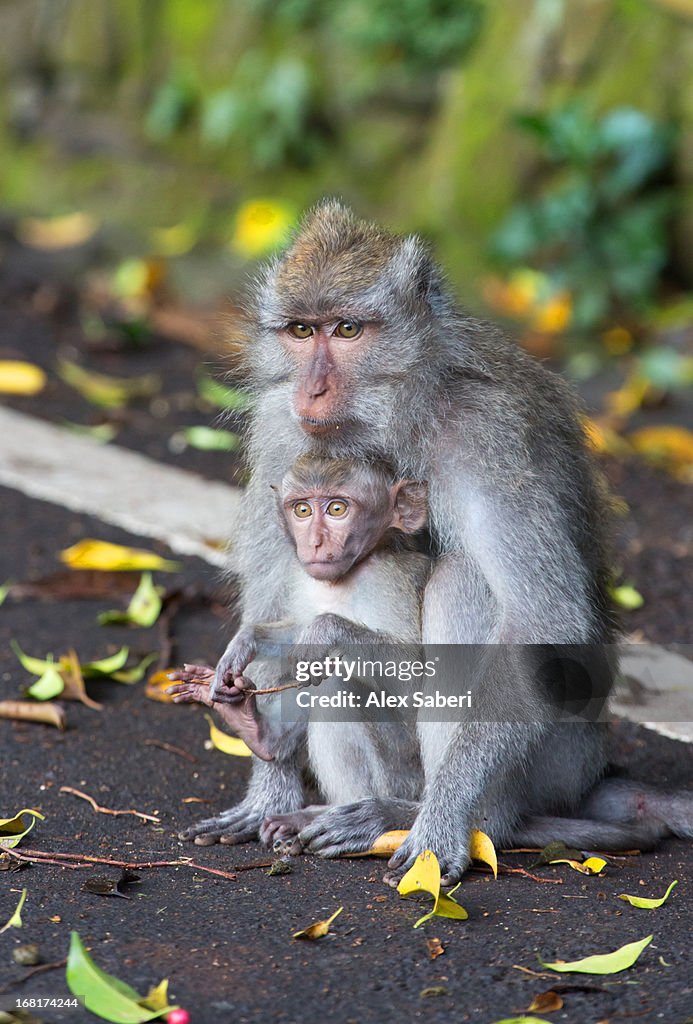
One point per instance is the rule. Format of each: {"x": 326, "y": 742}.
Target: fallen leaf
{"x": 435, "y": 948}
{"x": 51, "y": 684}
{"x": 132, "y": 675}
{"x": 157, "y": 997}
{"x": 156, "y": 686}
{"x": 227, "y": 744}
{"x": 668, "y": 446}
{"x": 603, "y": 963}
{"x": 222, "y": 396}
{"x": 102, "y": 555}
{"x": 317, "y": 930}
{"x": 101, "y": 993}
{"x": 433, "y": 991}
{"x": 557, "y": 851}
{"x": 20, "y": 378}
{"x": 280, "y": 867}
{"x": 107, "y": 392}
{"x": 16, "y": 920}
{"x": 546, "y": 1002}
{"x": 595, "y": 865}
{"x": 103, "y": 433}
{"x": 205, "y": 439}
{"x": 520, "y": 1020}
{"x": 591, "y": 866}
{"x": 102, "y": 885}
{"x": 626, "y": 596}
{"x": 648, "y": 904}
{"x": 29, "y": 711}
{"x": 62, "y": 232}
{"x": 481, "y": 848}
{"x": 37, "y": 666}
{"x": 144, "y": 607}
{"x": 75, "y": 689}
{"x": 4, "y": 591}
{"x": 424, "y": 876}
{"x": 386, "y": 844}
{"x": 106, "y": 667}
{"x": 13, "y": 830}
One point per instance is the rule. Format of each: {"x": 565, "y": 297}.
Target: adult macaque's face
{"x": 326, "y": 357}
{"x": 332, "y": 533}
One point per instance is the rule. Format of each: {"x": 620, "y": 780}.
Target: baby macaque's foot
{"x": 235, "y": 706}
{"x": 281, "y": 830}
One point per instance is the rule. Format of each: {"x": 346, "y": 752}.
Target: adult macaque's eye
{"x": 337, "y": 509}
{"x": 302, "y": 510}
{"x": 348, "y": 329}
{"x": 300, "y": 331}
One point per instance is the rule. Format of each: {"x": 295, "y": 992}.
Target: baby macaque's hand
{"x": 236, "y": 706}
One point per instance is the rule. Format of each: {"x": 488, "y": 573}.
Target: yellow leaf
{"x": 317, "y": 930}
{"x": 604, "y": 439}
{"x": 227, "y": 744}
{"x": 63, "y": 232}
{"x": 424, "y": 876}
{"x": 261, "y": 226}
{"x": 668, "y": 446}
{"x": 626, "y": 596}
{"x": 629, "y": 397}
{"x": 647, "y": 904}
{"x": 595, "y": 865}
{"x": 553, "y": 316}
{"x": 156, "y": 686}
{"x": 19, "y": 378}
{"x": 16, "y": 920}
{"x": 386, "y": 844}
{"x": 591, "y": 866}
{"x": 157, "y": 997}
{"x": 481, "y": 848}
{"x": 604, "y": 963}
{"x": 107, "y": 557}
{"x": 111, "y": 392}
{"x": 12, "y": 830}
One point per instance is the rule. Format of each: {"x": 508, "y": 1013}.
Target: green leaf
{"x": 13, "y": 830}
{"x": 37, "y": 666}
{"x": 50, "y": 685}
{"x": 134, "y": 675}
{"x": 16, "y": 920}
{"x": 627, "y": 597}
{"x": 207, "y": 439}
{"x": 603, "y": 963}
{"x": 221, "y": 396}
{"x": 101, "y": 993}
{"x": 647, "y": 904}
{"x": 106, "y": 666}
{"x": 144, "y": 608}
{"x": 4, "y": 591}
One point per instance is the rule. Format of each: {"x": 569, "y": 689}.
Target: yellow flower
{"x": 261, "y": 226}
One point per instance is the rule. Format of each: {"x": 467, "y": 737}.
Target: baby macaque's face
{"x": 335, "y": 529}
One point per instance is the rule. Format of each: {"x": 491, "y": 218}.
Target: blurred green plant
{"x": 598, "y": 223}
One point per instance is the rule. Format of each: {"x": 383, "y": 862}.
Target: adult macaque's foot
{"x": 353, "y": 828}
{"x": 452, "y": 854}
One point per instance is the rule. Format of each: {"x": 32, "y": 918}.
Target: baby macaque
{"x": 355, "y": 580}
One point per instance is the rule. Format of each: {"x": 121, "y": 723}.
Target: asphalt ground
{"x": 227, "y": 945}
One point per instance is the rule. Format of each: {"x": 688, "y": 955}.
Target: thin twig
{"x": 107, "y": 810}
{"x": 171, "y": 749}
{"x": 86, "y": 860}
{"x": 30, "y": 973}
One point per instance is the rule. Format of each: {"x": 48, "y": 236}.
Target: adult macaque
{"x": 355, "y": 349}
{"x": 353, "y": 581}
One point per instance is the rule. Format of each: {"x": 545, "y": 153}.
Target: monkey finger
{"x": 243, "y": 835}
{"x": 208, "y": 839}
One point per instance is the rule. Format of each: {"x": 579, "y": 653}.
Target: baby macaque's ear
{"x": 410, "y": 505}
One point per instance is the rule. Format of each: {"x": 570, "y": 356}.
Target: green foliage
{"x": 598, "y": 223}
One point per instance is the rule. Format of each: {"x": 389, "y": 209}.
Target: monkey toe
{"x": 242, "y": 835}
{"x": 208, "y": 839}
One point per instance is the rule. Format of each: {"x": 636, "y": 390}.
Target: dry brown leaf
{"x": 435, "y": 948}
{"x": 30, "y": 711}
{"x": 74, "y": 688}
{"x": 546, "y": 1002}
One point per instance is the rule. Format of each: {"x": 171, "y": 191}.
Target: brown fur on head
{"x": 332, "y": 261}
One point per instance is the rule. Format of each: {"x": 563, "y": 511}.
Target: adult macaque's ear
{"x": 410, "y": 505}
{"x": 415, "y": 274}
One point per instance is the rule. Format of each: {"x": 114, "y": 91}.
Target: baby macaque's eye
{"x": 300, "y": 331}
{"x": 348, "y": 329}
{"x": 337, "y": 509}
{"x": 302, "y": 510}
